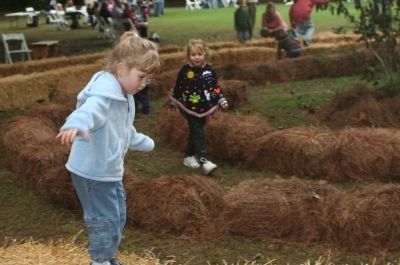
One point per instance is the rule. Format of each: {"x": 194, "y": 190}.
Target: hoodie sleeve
{"x": 89, "y": 116}
{"x": 140, "y": 142}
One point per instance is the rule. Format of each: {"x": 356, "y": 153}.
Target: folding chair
{"x": 106, "y": 30}
{"x": 15, "y": 43}
{"x": 58, "y": 20}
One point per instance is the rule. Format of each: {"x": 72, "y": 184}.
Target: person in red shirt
{"x": 300, "y": 18}
{"x": 271, "y": 21}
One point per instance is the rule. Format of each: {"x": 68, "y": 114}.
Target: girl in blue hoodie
{"x": 100, "y": 131}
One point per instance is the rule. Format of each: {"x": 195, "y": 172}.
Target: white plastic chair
{"x": 58, "y": 20}
{"x": 15, "y": 43}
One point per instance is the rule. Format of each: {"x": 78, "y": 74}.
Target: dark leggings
{"x": 196, "y": 141}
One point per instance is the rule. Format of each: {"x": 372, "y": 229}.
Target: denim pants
{"x": 306, "y": 29}
{"x": 104, "y": 214}
{"x": 196, "y": 142}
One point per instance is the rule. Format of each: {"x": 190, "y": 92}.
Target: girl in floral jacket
{"x": 197, "y": 94}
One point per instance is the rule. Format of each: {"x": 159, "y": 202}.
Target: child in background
{"x": 271, "y": 21}
{"x": 242, "y": 22}
{"x": 197, "y": 95}
{"x": 287, "y": 42}
{"x": 101, "y": 132}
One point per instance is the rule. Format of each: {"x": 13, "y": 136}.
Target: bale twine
{"x": 235, "y": 91}
{"x": 284, "y": 210}
{"x": 295, "y": 151}
{"x": 368, "y": 220}
{"x": 180, "y": 205}
{"x": 363, "y": 154}
{"x": 231, "y": 136}
{"x": 55, "y": 185}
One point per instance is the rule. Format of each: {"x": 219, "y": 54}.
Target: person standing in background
{"x": 252, "y": 7}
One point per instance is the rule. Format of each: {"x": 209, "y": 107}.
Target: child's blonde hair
{"x": 197, "y": 45}
{"x": 134, "y": 52}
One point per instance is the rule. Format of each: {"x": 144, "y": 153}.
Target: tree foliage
{"x": 377, "y": 22}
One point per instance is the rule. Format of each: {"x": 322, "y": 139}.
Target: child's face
{"x": 197, "y": 57}
{"x": 133, "y": 80}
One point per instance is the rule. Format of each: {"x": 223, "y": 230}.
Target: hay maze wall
{"x": 293, "y": 210}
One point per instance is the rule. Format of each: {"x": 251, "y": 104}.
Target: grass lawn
{"x": 24, "y": 214}
{"x": 176, "y": 27}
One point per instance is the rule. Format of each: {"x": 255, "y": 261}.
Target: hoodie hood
{"x": 102, "y": 84}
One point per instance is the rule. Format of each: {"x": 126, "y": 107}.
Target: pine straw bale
{"x": 162, "y": 84}
{"x": 359, "y": 107}
{"x": 170, "y": 48}
{"x": 36, "y": 159}
{"x": 367, "y": 112}
{"x": 300, "y": 68}
{"x": 235, "y": 91}
{"x": 228, "y": 135}
{"x": 286, "y": 210}
{"x": 20, "y": 91}
{"x": 23, "y": 130}
{"x": 331, "y": 37}
{"x": 55, "y": 185}
{"x": 296, "y": 151}
{"x": 363, "y": 154}
{"x": 231, "y": 136}
{"x": 47, "y": 64}
{"x": 171, "y": 61}
{"x": 366, "y": 220}
{"x": 244, "y": 55}
{"x": 330, "y": 48}
{"x": 180, "y": 205}
{"x": 172, "y": 129}
{"x": 56, "y": 112}
{"x": 62, "y": 252}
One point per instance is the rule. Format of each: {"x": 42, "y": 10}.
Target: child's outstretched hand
{"x": 224, "y": 105}
{"x": 67, "y": 137}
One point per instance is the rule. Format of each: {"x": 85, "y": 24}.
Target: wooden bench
{"x": 44, "y": 49}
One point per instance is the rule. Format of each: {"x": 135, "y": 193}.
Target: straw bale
{"x": 367, "y": 219}
{"x": 15, "y": 93}
{"x": 231, "y": 136}
{"x": 55, "y": 185}
{"x": 235, "y": 91}
{"x": 36, "y": 159}
{"x": 331, "y": 37}
{"x": 171, "y": 61}
{"x": 392, "y": 105}
{"x": 283, "y": 210}
{"x": 367, "y": 112}
{"x": 170, "y": 48}
{"x": 244, "y": 55}
{"x": 300, "y": 68}
{"x": 172, "y": 129}
{"x": 56, "y": 112}
{"x": 363, "y": 154}
{"x": 62, "y": 252}
{"x": 295, "y": 151}
{"x": 22, "y": 130}
{"x": 162, "y": 84}
{"x": 180, "y": 205}
{"x": 47, "y": 64}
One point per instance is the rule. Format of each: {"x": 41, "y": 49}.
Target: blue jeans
{"x": 104, "y": 214}
{"x": 306, "y": 29}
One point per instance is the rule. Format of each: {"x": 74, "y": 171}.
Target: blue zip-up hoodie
{"x": 107, "y": 115}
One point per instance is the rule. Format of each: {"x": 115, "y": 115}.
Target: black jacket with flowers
{"x": 196, "y": 91}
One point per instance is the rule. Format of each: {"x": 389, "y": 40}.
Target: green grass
{"x": 176, "y": 27}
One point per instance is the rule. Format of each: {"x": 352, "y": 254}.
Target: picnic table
{"x": 16, "y": 15}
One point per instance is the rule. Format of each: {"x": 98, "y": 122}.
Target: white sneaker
{"x": 191, "y": 162}
{"x": 208, "y": 167}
